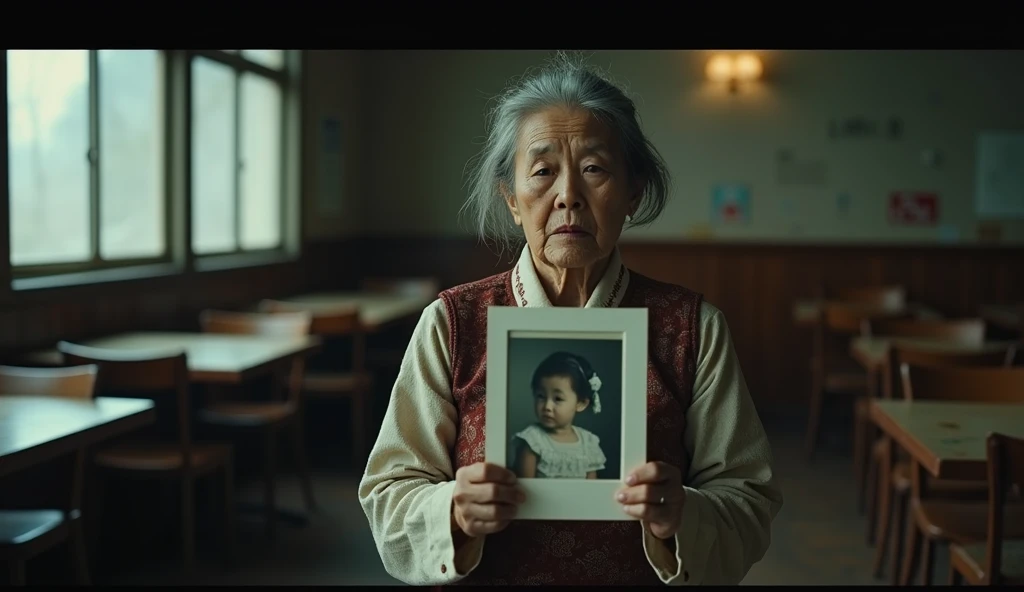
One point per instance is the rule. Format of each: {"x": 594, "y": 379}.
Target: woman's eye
{"x": 592, "y": 168}
{"x": 542, "y": 172}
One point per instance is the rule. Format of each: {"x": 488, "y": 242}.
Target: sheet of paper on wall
{"x": 999, "y": 190}
{"x": 330, "y": 194}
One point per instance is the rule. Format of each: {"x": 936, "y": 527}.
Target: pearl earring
{"x": 629, "y": 218}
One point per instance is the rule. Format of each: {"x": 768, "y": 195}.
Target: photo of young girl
{"x": 564, "y": 388}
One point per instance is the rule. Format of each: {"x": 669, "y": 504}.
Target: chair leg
{"x": 188, "y": 524}
{"x": 299, "y": 447}
{"x": 955, "y": 577}
{"x": 79, "y": 553}
{"x": 884, "y": 518}
{"x": 928, "y": 561}
{"x": 229, "y": 512}
{"x": 899, "y": 523}
{"x": 913, "y": 547}
{"x": 17, "y": 569}
{"x": 872, "y": 487}
{"x": 94, "y": 515}
{"x": 814, "y": 418}
{"x": 861, "y": 465}
{"x": 269, "y": 475}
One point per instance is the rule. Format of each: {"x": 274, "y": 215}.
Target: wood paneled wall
{"x": 754, "y": 285}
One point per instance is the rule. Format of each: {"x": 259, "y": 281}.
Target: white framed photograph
{"x": 567, "y": 406}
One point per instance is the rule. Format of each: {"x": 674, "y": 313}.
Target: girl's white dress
{"x": 562, "y": 460}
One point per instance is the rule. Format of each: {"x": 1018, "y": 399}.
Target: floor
{"x": 818, "y": 538}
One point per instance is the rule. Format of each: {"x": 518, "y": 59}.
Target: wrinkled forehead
{"x": 553, "y": 130}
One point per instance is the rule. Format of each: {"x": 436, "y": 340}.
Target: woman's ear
{"x": 510, "y": 201}
{"x": 639, "y": 186}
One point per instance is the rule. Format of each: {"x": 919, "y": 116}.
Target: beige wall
{"x": 422, "y": 115}
{"x": 333, "y": 89}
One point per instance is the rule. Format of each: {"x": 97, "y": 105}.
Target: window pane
{"x": 261, "y": 163}
{"x": 271, "y": 58}
{"x": 48, "y": 139}
{"x": 213, "y": 157}
{"x": 131, "y": 154}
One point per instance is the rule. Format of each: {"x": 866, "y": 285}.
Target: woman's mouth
{"x": 570, "y": 230}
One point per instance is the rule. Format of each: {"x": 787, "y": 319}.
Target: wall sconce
{"x": 734, "y": 69}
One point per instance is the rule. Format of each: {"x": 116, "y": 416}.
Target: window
{"x": 108, "y": 149}
{"x": 237, "y": 156}
{"x": 86, "y": 146}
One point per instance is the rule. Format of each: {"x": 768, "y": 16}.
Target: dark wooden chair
{"x": 24, "y": 534}
{"x": 173, "y": 456}
{"x": 267, "y": 418}
{"x": 893, "y": 469}
{"x": 935, "y": 519}
{"x": 998, "y": 560}
{"x": 339, "y": 379}
{"x": 833, "y": 371}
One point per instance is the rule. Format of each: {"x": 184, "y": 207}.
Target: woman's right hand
{"x": 485, "y": 499}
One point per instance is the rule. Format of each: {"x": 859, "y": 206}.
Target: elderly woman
{"x": 567, "y": 163}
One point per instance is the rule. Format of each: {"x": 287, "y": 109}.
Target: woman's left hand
{"x": 655, "y": 494}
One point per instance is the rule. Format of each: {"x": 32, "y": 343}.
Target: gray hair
{"x": 565, "y": 81}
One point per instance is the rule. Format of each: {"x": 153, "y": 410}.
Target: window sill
{"x": 242, "y": 260}
{"x": 94, "y": 276}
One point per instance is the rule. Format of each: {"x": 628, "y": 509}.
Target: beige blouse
{"x": 731, "y": 494}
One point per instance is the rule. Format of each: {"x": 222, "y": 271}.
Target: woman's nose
{"x": 569, "y": 197}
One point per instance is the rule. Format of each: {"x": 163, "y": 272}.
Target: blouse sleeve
{"x": 406, "y": 491}
{"x": 732, "y": 496}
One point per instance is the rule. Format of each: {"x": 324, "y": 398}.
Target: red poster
{"x": 913, "y": 208}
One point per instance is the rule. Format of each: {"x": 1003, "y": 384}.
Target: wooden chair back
{"x": 331, "y": 323}
{"x": 290, "y": 324}
{"x": 967, "y": 332}
{"x": 976, "y": 384}
{"x": 76, "y": 382}
{"x": 1005, "y": 478}
{"x": 146, "y": 374}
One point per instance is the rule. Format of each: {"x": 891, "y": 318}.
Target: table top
{"x": 376, "y": 309}
{"x": 948, "y": 437}
{"x": 1007, "y": 316}
{"x": 34, "y": 429}
{"x": 873, "y": 351}
{"x": 212, "y": 357}
{"x": 805, "y": 312}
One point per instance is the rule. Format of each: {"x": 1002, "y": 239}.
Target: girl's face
{"x": 556, "y": 404}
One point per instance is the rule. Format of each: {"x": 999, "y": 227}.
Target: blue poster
{"x": 730, "y": 204}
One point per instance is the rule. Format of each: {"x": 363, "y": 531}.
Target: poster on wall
{"x": 329, "y": 188}
{"x": 730, "y": 204}
{"x": 913, "y": 208}
{"x": 999, "y": 172}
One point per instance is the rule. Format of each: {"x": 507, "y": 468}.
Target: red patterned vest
{"x": 574, "y": 552}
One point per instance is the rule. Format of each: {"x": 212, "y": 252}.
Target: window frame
{"x": 179, "y": 257}
{"x": 96, "y": 262}
{"x": 240, "y": 65}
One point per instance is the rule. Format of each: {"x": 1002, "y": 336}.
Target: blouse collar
{"x": 528, "y": 291}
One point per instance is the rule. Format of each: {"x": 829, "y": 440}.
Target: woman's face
{"x": 572, "y": 191}
{"x": 556, "y": 403}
